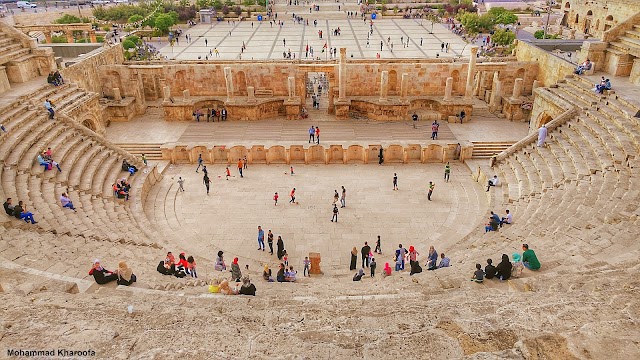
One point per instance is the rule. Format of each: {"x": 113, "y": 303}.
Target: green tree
{"x": 503, "y": 37}
{"x": 163, "y": 22}
{"x": 134, "y": 18}
{"x": 128, "y": 44}
{"x": 237, "y": 10}
{"x": 501, "y": 15}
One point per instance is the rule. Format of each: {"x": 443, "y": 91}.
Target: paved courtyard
{"x": 269, "y": 41}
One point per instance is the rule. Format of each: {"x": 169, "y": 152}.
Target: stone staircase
{"x": 152, "y": 151}
{"x": 629, "y": 43}
{"x": 486, "y": 149}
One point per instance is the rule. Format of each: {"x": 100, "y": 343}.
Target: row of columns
{"x": 69, "y": 35}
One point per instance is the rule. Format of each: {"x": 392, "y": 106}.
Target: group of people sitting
{"x": 496, "y": 221}
{"x": 185, "y": 266}
{"x": 123, "y": 276}
{"x": 212, "y": 115}
{"x": 55, "y": 78}
{"x": 246, "y": 288}
{"x": 507, "y": 269}
{"x": 586, "y": 65}
{"x": 126, "y": 166}
{"x": 45, "y": 159}
{"x": 18, "y": 211}
{"x": 401, "y": 256}
{"x": 605, "y": 84}
{"x": 121, "y": 189}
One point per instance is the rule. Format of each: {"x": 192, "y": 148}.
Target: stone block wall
{"x": 598, "y": 16}
{"x": 88, "y": 74}
{"x": 550, "y": 68}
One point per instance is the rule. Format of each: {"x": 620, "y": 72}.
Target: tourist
{"x": 503, "y": 270}
{"x": 225, "y": 289}
{"x": 359, "y": 275}
{"x": 280, "y": 245}
{"x": 236, "y": 274}
{"x": 380, "y": 156}
{"x": 43, "y": 162}
{"x": 372, "y": 266}
{"x": 395, "y": 181}
{"x": 507, "y": 219}
{"x": 478, "y": 275}
{"x": 399, "y": 260}
{"x": 343, "y": 200}
{"x": 223, "y": 113}
{"x": 447, "y": 172}
{"x": 366, "y": 249}
{"x": 335, "y": 213}
{"x": 492, "y": 225}
{"x": 432, "y": 259}
{"x": 207, "y": 182}
{"x": 431, "y": 187}
{"x": 542, "y": 135}
{"x": 462, "y": 116}
{"x": 20, "y": 212}
{"x": 493, "y": 182}
{"x": 200, "y": 162}
{"x": 290, "y": 275}
{"x": 49, "y": 106}
{"x": 517, "y": 265}
{"x": 586, "y": 65}
{"x": 8, "y": 207}
{"x": 227, "y": 173}
{"x": 434, "y": 130}
{"x": 285, "y": 257}
{"x": 191, "y": 266}
{"x": 603, "y": 86}
{"x": 126, "y": 276}
{"x": 4, "y": 130}
{"x": 307, "y": 264}
{"x": 220, "y": 265}
{"x": 415, "y": 268}
{"x": 413, "y": 255}
{"x": 166, "y": 267}
{"x": 66, "y": 202}
{"x": 270, "y": 241}
{"x": 292, "y": 194}
{"x": 378, "y": 247}
{"x": 240, "y": 167}
{"x": 260, "y": 238}
{"x": 280, "y": 275}
{"x": 387, "y": 270}
{"x": 489, "y": 269}
{"x": 354, "y": 258}
{"x": 182, "y": 266}
{"x": 102, "y": 275}
{"x": 457, "y": 152}
{"x": 529, "y": 258}
{"x": 144, "y": 159}
{"x": 403, "y": 254}
{"x": 444, "y": 261}
{"x": 247, "y": 287}
{"x": 318, "y": 133}
{"x": 414, "y": 117}
{"x": 266, "y": 273}
{"x": 291, "y": 170}
{"x": 335, "y": 196}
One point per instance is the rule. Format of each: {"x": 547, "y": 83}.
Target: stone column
{"x": 166, "y": 93}
{"x": 185, "y": 94}
{"x": 471, "y": 72}
{"x": 483, "y": 85}
{"x": 69, "y": 35}
{"x": 92, "y": 36}
{"x": 496, "y": 93}
{"x": 116, "y": 94}
{"x": 404, "y": 86}
{"x": 251, "y": 94}
{"x": 447, "y": 89}
{"x": 384, "y": 85}
{"x": 47, "y": 36}
{"x": 536, "y": 84}
{"x": 291, "y": 82}
{"x": 342, "y": 74}
{"x": 228, "y": 78}
{"x": 517, "y": 88}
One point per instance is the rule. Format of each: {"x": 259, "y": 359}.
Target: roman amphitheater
{"x": 575, "y": 198}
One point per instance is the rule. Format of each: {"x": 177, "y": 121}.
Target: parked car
{"x": 99, "y": 2}
{"x": 120, "y": 1}
{"x": 25, "y": 5}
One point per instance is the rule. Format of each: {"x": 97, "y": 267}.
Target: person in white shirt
{"x": 493, "y": 182}
{"x": 507, "y": 219}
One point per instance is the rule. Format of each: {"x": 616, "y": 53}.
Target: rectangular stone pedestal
{"x": 342, "y": 109}
{"x": 315, "y": 264}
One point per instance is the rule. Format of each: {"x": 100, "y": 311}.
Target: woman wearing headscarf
{"x": 220, "y": 265}
{"x": 126, "y": 276}
{"x": 236, "y": 274}
{"x": 432, "y": 262}
{"x": 247, "y": 287}
{"x": 280, "y": 275}
{"x": 387, "y": 270}
{"x": 503, "y": 270}
{"x": 225, "y": 289}
{"x": 102, "y": 275}
{"x": 413, "y": 256}
{"x": 266, "y": 274}
{"x": 354, "y": 258}
{"x": 280, "y": 245}
{"x": 359, "y": 275}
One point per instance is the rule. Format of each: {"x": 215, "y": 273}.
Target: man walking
{"x": 431, "y": 187}
{"x": 200, "y": 162}
{"x": 270, "y": 241}
{"x": 395, "y": 181}
{"x": 318, "y": 134}
{"x": 414, "y": 117}
{"x": 260, "y": 238}
{"x": 447, "y": 172}
{"x": 240, "y": 167}
{"x": 206, "y": 182}
{"x": 293, "y": 196}
{"x": 434, "y": 130}
{"x": 49, "y": 106}
{"x": 312, "y": 134}
{"x": 366, "y": 249}
{"x": 335, "y": 213}
{"x": 180, "y": 184}
{"x": 343, "y": 201}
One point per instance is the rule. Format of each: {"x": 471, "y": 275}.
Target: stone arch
{"x": 393, "y": 82}
{"x": 93, "y": 123}
{"x": 240, "y": 85}
{"x": 543, "y": 118}
{"x": 520, "y": 74}
{"x": 609, "y": 18}
{"x": 89, "y": 124}
{"x": 589, "y": 13}
{"x": 567, "y": 5}
{"x": 455, "y": 89}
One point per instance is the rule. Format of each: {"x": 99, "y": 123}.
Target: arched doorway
{"x": 587, "y": 22}
{"x": 608, "y": 24}
{"x": 88, "y": 123}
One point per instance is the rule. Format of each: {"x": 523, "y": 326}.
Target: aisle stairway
{"x": 152, "y": 151}
{"x": 486, "y": 149}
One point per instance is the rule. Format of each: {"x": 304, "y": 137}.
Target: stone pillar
{"x": 517, "y": 88}
{"x": 166, "y": 92}
{"x": 447, "y": 89}
{"x": 185, "y": 94}
{"x": 47, "y": 36}
{"x": 536, "y": 84}
{"x": 384, "y": 85}
{"x": 572, "y": 33}
{"x": 92, "y": 36}
{"x": 228, "y": 78}
{"x": 291, "y": 83}
{"x": 404, "y": 86}
{"x": 116, "y": 94}
{"x": 69, "y": 35}
{"x": 471, "y": 72}
{"x": 483, "y": 85}
{"x": 496, "y": 94}
{"x": 315, "y": 264}
{"x": 342, "y": 74}
{"x": 251, "y": 94}
{"x": 634, "y": 76}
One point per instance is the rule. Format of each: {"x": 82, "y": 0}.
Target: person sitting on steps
{"x": 20, "y": 212}
{"x": 101, "y": 275}
{"x": 493, "y": 182}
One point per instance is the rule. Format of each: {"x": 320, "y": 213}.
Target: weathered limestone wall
{"x": 546, "y": 107}
{"x": 550, "y": 67}
{"x": 595, "y": 17}
{"x": 88, "y": 74}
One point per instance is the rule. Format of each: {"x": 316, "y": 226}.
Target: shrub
{"x": 128, "y": 44}
{"x": 135, "y": 18}
{"x": 71, "y": 19}
{"x": 237, "y": 10}
{"x": 540, "y": 34}
{"x": 59, "y": 39}
{"x": 503, "y": 37}
{"x": 500, "y": 15}
{"x": 225, "y": 10}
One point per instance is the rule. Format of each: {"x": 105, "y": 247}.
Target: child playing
{"x": 228, "y": 173}
{"x": 478, "y": 275}
{"x": 285, "y": 258}
{"x": 372, "y": 266}
{"x": 290, "y": 275}
{"x": 275, "y": 199}
{"x": 306, "y": 263}
{"x": 291, "y": 168}
{"x": 191, "y": 266}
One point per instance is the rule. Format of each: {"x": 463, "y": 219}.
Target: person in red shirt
{"x": 318, "y": 134}
{"x": 275, "y": 199}
{"x": 293, "y": 196}
{"x": 240, "y": 167}
{"x": 228, "y": 173}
